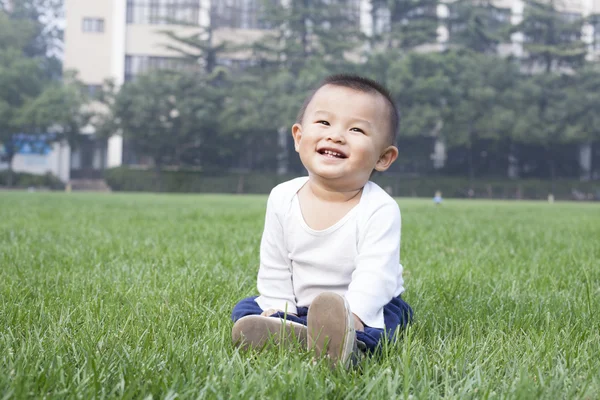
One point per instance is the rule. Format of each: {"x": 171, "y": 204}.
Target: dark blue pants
{"x": 396, "y": 314}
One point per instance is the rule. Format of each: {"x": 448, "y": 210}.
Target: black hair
{"x": 360, "y": 84}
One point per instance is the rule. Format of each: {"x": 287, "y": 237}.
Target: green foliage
{"x": 62, "y": 108}
{"x": 476, "y": 103}
{"x": 198, "y": 48}
{"x": 165, "y": 115}
{"x": 129, "y": 296}
{"x": 309, "y": 31}
{"x": 411, "y": 24}
{"x": 478, "y": 25}
{"x": 583, "y": 103}
{"x": 30, "y": 101}
{"x": 198, "y": 181}
{"x": 190, "y": 181}
{"x": 24, "y": 180}
{"x": 35, "y": 29}
{"x": 466, "y": 96}
{"x": 419, "y": 85}
{"x": 20, "y": 84}
{"x": 552, "y": 38}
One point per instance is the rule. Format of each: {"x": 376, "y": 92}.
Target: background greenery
{"x": 129, "y": 295}
{"x": 195, "y": 181}
{"x": 525, "y": 116}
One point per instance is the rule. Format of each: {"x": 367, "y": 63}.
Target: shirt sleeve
{"x": 375, "y": 279}
{"x": 274, "y": 281}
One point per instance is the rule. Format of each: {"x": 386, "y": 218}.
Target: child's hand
{"x": 358, "y": 324}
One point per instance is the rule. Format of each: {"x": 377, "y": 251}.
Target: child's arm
{"x": 275, "y": 273}
{"x": 375, "y": 279}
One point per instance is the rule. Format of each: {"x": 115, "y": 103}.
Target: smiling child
{"x": 330, "y": 273}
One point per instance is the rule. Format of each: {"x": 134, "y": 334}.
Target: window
{"x": 235, "y": 64}
{"x": 93, "y": 25}
{"x": 136, "y": 65}
{"x": 381, "y": 20}
{"x": 493, "y": 18}
{"x": 596, "y": 37}
{"x": 161, "y": 12}
{"x": 353, "y": 9}
{"x": 242, "y": 14}
{"x": 92, "y": 90}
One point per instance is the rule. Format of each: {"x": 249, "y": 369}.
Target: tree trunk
{"x": 593, "y": 175}
{"x": 240, "y": 185}
{"x": 9, "y": 172}
{"x": 304, "y": 28}
{"x": 470, "y": 156}
{"x": 470, "y": 164}
{"x": 158, "y": 175}
{"x": 551, "y": 168}
{"x": 211, "y": 57}
{"x": 513, "y": 162}
{"x": 585, "y": 161}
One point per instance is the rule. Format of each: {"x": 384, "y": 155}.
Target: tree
{"x": 165, "y": 115}
{"x": 35, "y": 30}
{"x": 545, "y": 117}
{"x": 308, "y": 40}
{"x": 308, "y": 31}
{"x": 419, "y": 86}
{"x": 478, "y": 25}
{"x": 61, "y": 109}
{"x": 552, "y": 39}
{"x": 412, "y": 23}
{"x": 553, "y": 50}
{"x": 477, "y": 102}
{"x": 583, "y": 102}
{"x": 20, "y": 84}
{"x": 399, "y": 27}
{"x": 33, "y": 105}
{"x": 198, "y": 48}
{"x": 47, "y": 111}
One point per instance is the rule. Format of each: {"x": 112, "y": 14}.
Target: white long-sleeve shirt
{"x": 358, "y": 257}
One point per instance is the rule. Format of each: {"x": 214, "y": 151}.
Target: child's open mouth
{"x": 331, "y": 153}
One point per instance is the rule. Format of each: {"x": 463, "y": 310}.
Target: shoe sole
{"x": 256, "y": 331}
{"x": 331, "y": 328}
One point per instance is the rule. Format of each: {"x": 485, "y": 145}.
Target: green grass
{"x": 129, "y": 296}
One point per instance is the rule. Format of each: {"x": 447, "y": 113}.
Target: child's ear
{"x": 297, "y": 134}
{"x": 386, "y": 159}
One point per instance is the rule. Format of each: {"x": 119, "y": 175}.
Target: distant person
{"x": 437, "y": 198}
{"x": 329, "y": 271}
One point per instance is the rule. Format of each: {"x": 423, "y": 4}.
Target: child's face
{"x": 344, "y": 136}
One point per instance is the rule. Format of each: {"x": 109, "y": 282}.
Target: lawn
{"x": 129, "y": 296}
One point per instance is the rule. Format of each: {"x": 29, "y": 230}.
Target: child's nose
{"x": 336, "y": 135}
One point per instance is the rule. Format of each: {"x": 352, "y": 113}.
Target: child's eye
{"x": 323, "y": 123}
{"x": 357, "y": 130}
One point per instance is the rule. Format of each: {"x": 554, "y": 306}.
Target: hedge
{"x": 22, "y": 180}
{"x": 188, "y": 181}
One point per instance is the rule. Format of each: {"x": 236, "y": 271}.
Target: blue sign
{"x": 30, "y": 144}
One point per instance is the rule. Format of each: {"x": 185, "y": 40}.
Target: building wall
{"x": 89, "y": 53}
{"x": 56, "y": 161}
{"x": 147, "y": 40}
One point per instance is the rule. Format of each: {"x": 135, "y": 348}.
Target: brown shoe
{"x": 257, "y": 331}
{"x": 331, "y": 331}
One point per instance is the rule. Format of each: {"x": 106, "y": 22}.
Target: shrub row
{"x": 129, "y": 179}
{"x": 24, "y": 180}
